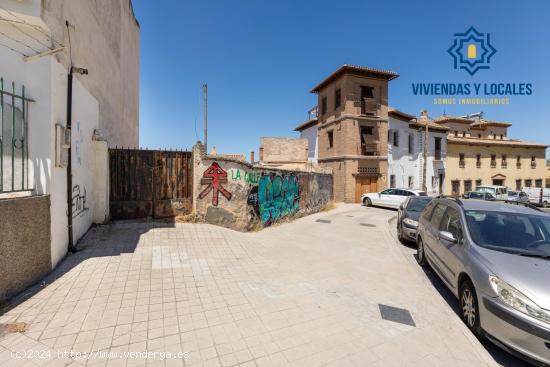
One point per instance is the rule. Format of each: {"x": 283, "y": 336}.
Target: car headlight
{"x": 517, "y": 300}
{"x": 410, "y": 222}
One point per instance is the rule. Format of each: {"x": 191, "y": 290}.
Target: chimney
{"x": 252, "y": 157}
{"x": 424, "y": 114}
{"x": 261, "y": 154}
{"x": 213, "y": 151}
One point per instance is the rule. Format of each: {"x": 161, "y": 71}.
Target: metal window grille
{"x": 14, "y": 148}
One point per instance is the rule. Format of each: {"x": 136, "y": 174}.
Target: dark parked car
{"x": 407, "y": 216}
{"x": 481, "y": 195}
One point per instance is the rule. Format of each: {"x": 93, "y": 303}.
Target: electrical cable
{"x": 21, "y": 43}
{"x": 32, "y": 25}
{"x": 25, "y": 33}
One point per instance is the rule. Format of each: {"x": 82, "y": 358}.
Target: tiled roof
{"x": 484, "y": 122}
{"x": 447, "y": 118}
{"x": 357, "y": 70}
{"x": 431, "y": 125}
{"x": 400, "y": 114}
{"x": 509, "y": 142}
{"x": 305, "y": 125}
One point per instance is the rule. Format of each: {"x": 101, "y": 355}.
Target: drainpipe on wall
{"x": 71, "y": 246}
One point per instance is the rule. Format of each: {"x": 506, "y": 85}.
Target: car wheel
{"x": 400, "y": 233}
{"x": 367, "y": 202}
{"x": 469, "y": 309}
{"x": 421, "y": 253}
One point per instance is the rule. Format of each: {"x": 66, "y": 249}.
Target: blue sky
{"x": 261, "y": 58}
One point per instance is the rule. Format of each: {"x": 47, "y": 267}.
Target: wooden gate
{"x": 150, "y": 183}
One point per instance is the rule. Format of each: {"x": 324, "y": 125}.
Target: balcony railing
{"x": 461, "y": 164}
{"x": 533, "y": 164}
{"x": 493, "y": 164}
{"x": 369, "y": 107}
{"x": 518, "y": 165}
{"x": 437, "y": 155}
{"x": 370, "y": 149}
{"x": 478, "y": 164}
{"x": 504, "y": 164}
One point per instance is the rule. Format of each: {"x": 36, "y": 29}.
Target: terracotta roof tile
{"x": 355, "y": 69}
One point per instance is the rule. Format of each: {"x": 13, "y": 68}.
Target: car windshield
{"x": 485, "y": 189}
{"x": 418, "y": 203}
{"x": 422, "y": 193}
{"x": 518, "y": 233}
{"x": 512, "y": 193}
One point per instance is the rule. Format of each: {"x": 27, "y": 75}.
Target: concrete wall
{"x": 104, "y": 40}
{"x": 241, "y": 196}
{"x": 25, "y": 253}
{"x": 288, "y": 153}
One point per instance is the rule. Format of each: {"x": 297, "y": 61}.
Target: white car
{"x": 389, "y": 198}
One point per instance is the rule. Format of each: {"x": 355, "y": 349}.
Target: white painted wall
{"x": 311, "y": 135}
{"x": 403, "y": 164}
{"x": 45, "y": 81}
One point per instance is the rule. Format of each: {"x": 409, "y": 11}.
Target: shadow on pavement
{"x": 102, "y": 240}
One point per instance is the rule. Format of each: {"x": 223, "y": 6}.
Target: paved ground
{"x": 305, "y": 293}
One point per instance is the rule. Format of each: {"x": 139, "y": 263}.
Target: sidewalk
{"x": 305, "y": 293}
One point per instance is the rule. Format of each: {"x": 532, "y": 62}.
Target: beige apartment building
{"x": 353, "y": 129}
{"x": 479, "y": 152}
{"x": 285, "y": 153}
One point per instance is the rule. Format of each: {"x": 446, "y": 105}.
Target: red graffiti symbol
{"x": 214, "y": 176}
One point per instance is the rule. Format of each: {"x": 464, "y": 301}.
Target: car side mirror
{"x": 447, "y": 236}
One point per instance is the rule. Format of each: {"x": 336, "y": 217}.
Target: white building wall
{"x": 403, "y": 164}
{"x": 311, "y": 135}
{"x": 45, "y": 81}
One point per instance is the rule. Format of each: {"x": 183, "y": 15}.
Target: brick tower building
{"x": 353, "y": 129}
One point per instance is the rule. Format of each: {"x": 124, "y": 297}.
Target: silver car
{"x": 495, "y": 258}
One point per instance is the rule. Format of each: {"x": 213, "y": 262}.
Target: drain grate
{"x": 367, "y": 225}
{"x": 350, "y": 216}
{"x": 396, "y": 314}
{"x": 323, "y": 221}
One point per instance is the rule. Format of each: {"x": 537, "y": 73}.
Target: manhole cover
{"x": 323, "y": 221}
{"x": 396, "y": 314}
{"x": 367, "y": 225}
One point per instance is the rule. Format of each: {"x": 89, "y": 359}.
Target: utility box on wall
{"x": 62, "y": 144}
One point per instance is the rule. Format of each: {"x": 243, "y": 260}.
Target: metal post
{"x": 205, "y": 86}
{"x": 13, "y": 136}
{"x": 1, "y": 134}
{"x": 425, "y": 154}
{"x": 71, "y": 246}
{"x": 23, "y": 140}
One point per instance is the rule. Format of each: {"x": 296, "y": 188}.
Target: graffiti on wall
{"x": 275, "y": 197}
{"x": 213, "y": 178}
{"x": 78, "y": 201}
{"x": 249, "y": 177}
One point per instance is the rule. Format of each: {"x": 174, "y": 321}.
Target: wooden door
{"x": 364, "y": 185}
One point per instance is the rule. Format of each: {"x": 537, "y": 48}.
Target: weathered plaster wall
{"x": 104, "y": 40}
{"x": 25, "y": 253}
{"x": 241, "y": 196}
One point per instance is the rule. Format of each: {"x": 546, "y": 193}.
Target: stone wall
{"x": 242, "y": 196}
{"x": 25, "y": 254}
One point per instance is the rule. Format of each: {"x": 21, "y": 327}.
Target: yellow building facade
{"x": 479, "y": 152}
